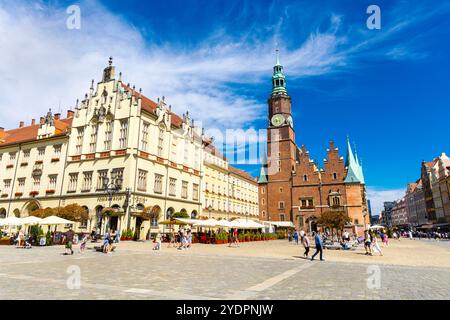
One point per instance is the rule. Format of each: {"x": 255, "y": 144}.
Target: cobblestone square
{"x": 265, "y": 270}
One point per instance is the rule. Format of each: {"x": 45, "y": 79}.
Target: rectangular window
{"x": 123, "y": 134}
{"x": 197, "y": 158}
{"x": 142, "y": 180}
{"x": 281, "y": 205}
{"x": 184, "y": 189}
{"x": 186, "y": 152}
{"x": 79, "y": 143}
{"x": 101, "y": 180}
{"x": 87, "y": 181}
{"x": 108, "y": 135}
{"x": 36, "y": 183}
{"x": 56, "y": 151}
{"x": 144, "y": 141}
{"x": 161, "y": 142}
{"x": 117, "y": 177}
{"x": 195, "y": 192}
{"x": 172, "y": 186}
{"x": 12, "y": 158}
{"x": 52, "y": 181}
{"x": 41, "y": 154}
{"x": 20, "y": 185}
{"x": 26, "y": 155}
{"x": 7, "y": 186}
{"x": 73, "y": 182}
{"x": 158, "y": 183}
{"x": 93, "y": 141}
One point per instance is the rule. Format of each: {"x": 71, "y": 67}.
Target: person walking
{"x": 305, "y": 242}
{"x": 290, "y": 236}
{"x": 302, "y": 234}
{"x": 20, "y": 239}
{"x": 367, "y": 243}
{"x": 69, "y": 241}
{"x": 375, "y": 244}
{"x": 83, "y": 243}
{"x": 236, "y": 237}
{"x": 319, "y": 246}
{"x": 296, "y": 237}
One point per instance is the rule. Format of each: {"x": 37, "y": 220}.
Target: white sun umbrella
{"x": 376, "y": 227}
{"x": 225, "y": 223}
{"x": 188, "y": 221}
{"x": 54, "y": 220}
{"x": 31, "y": 221}
{"x": 206, "y": 223}
{"x": 11, "y": 221}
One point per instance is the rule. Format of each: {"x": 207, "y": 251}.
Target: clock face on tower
{"x": 277, "y": 120}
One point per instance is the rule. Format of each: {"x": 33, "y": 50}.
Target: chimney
{"x": 21, "y": 124}
{"x": 70, "y": 114}
{"x": 42, "y": 120}
{"x": 57, "y": 116}
{"x": 33, "y": 122}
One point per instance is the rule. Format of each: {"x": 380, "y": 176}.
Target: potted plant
{"x": 48, "y": 238}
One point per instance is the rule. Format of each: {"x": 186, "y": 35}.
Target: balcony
{"x": 18, "y": 194}
{"x": 50, "y": 191}
{"x": 55, "y": 160}
{"x": 24, "y": 164}
{"x": 34, "y": 193}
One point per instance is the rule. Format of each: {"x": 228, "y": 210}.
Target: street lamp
{"x": 111, "y": 188}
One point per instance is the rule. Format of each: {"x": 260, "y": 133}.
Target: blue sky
{"x": 388, "y": 89}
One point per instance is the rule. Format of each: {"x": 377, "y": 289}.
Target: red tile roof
{"x": 241, "y": 173}
{"x": 150, "y": 106}
{"x": 26, "y": 134}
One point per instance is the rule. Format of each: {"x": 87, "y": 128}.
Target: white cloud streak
{"x": 45, "y": 65}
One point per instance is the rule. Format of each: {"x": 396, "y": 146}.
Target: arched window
{"x": 305, "y": 178}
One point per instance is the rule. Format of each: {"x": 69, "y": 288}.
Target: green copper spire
{"x": 354, "y": 170}
{"x": 263, "y": 173}
{"x": 278, "y": 78}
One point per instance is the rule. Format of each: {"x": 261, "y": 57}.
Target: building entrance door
{"x": 137, "y": 234}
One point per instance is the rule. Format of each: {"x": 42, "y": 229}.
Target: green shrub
{"x": 221, "y": 236}
{"x": 48, "y": 238}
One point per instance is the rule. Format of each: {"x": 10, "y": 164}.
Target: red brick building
{"x": 291, "y": 186}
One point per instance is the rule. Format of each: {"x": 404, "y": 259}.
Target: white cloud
{"x": 378, "y": 196}
{"x": 45, "y": 65}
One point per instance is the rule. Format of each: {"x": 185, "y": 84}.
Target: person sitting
{"x": 157, "y": 243}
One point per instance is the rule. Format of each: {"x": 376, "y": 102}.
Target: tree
{"x": 73, "y": 212}
{"x": 334, "y": 220}
{"x": 182, "y": 215}
{"x": 43, "y": 213}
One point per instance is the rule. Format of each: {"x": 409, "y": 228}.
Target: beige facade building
{"x": 228, "y": 192}
{"x": 129, "y": 161}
